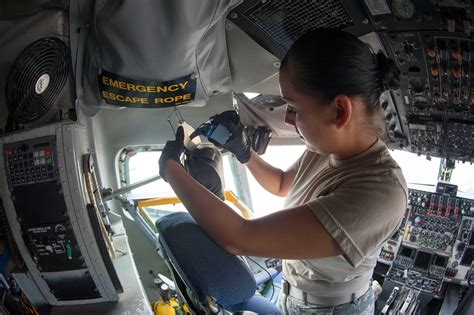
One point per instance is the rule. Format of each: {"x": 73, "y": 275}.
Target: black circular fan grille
{"x": 45, "y": 57}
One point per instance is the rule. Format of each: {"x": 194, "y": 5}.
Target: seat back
{"x": 205, "y": 267}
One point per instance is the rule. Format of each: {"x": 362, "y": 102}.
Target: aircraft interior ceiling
{"x": 82, "y": 80}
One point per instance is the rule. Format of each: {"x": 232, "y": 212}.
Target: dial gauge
{"x": 404, "y": 9}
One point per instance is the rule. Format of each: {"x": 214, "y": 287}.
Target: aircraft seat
{"x": 214, "y": 279}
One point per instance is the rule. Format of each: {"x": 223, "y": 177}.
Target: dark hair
{"x": 329, "y": 62}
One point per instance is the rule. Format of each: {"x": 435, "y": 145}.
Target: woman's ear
{"x": 344, "y": 108}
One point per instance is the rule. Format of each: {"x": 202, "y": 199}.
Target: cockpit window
{"x": 419, "y": 172}
{"x": 282, "y": 157}
{"x": 463, "y": 177}
{"x": 142, "y": 163}
{"x": 141, "y": 166}
{"x": 417, "y": 169}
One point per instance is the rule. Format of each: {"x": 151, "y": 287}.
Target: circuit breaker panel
{"x": 42, "y": 186}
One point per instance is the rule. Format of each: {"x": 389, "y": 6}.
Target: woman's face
{"x": 312, "y": 119}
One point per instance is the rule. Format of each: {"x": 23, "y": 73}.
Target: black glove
{"x": 237, "y": 143}
{"x": 172, "y": 151}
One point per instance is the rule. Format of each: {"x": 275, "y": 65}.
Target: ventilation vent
{"x": 36, "y": 79}
{"x": 285, "y": 21}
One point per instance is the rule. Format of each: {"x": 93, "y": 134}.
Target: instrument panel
{"x": 437, "y": 91}
{"x": 435, "y": 243}
{"x": 431, "y": 43}
{"x": 46, "y": 211}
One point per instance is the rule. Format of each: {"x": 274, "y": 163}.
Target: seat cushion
{"x": 205, "y": 267}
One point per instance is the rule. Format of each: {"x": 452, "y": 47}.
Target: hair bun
{"x": 388, "y": 72}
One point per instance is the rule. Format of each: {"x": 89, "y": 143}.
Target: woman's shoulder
{"x": 377, "y": 169}
{"x": 311, "y": 159}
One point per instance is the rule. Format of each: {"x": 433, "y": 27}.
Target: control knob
{"x": 456, "y": 54}
{"x": 465, "y": 235}
{"x": 431, "y": 52}
{"x": 460, "y": 247}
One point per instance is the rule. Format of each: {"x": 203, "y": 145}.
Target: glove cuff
{"x": 243, "y": 155}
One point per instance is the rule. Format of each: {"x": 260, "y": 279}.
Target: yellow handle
{"x": 229, "y": 196}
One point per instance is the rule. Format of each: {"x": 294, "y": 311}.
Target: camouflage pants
{"x": 364, "y": 305}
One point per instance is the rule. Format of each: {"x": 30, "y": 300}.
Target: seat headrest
{"x": 205, "y": 267}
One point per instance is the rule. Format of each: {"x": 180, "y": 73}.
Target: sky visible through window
{"x": 144, "y": 165}
{"x": 463, "y": 176}
{"x": 419, "y": 170}
{"x": 278, "y": 156}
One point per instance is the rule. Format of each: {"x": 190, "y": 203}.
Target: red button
{"x": 9, "y": 151}
{"x": 47, "y": 152}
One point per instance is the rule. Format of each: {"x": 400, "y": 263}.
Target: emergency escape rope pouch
{"x": 155, "y": 54}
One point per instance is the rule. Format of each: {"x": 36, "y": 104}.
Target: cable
{"x": 271, "y": 279}
{"x": 28, "y": 307}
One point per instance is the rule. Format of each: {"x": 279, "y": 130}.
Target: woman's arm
{"x": 294, "y": 233}
{"x": 274, "y": 180}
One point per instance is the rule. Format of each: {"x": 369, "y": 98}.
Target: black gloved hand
{"x": 237, "y": 143}
{"x": 172, "y": 151}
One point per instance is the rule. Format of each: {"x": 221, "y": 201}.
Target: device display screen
{"x": 220, "y": 134}
{"x": 422, "y": 260}
{"x": 467, "y": 257}
{"x": 40, "y": 145}
{"x": 406, "y": 251}
{"x": 443, "y": 188}
{"x": 440, "y": 261}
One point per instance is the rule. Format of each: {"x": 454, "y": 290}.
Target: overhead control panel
{"x": 400, "y": 15}
{"x": 436, "y": 63}
{"x": 47, "y": 210}
{"x": 437, "y": 91}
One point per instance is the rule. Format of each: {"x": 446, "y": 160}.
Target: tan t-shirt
{"x": 360, "y": 202}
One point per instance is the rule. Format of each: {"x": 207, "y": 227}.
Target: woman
{"x": 345, "y": 196}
